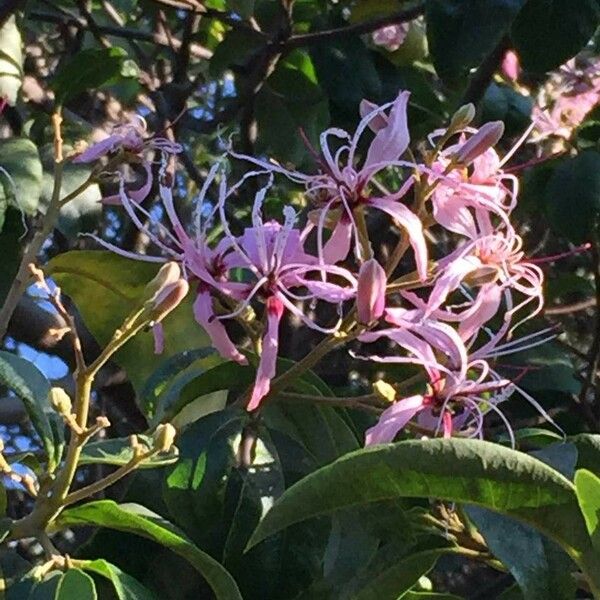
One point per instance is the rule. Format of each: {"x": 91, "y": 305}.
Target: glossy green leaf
{"x": 572, "y": 196}
{"x": 76, "y": 76}
{"x": 524, "y": 551}
{"x": 165, "y": 373}
{"x": 398, "y": 579}
{"x": 458, "y": 470}
{"x": 195, "y": 486}
{"x": 22, "y": 187}
{"x": 587, "y": 487}
{"x": 76, "y": 584}
{"x": 126, "y": 587}
{"x": 461, "y": 33}
{"x": 118, "y": 452}
{"x": 106, "y": 288}
{"x": 30, "y": 385}
{"x": 11, "y": 60}
{"x": 133, "y": 518}
{"x": 588, "y": 451}
{"x": 549, "y": 32}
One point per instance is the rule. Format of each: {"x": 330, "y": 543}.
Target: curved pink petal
{"x": 268, "y": 359}
{"x": 393, "y": 419}
{"x": 337, "y": 247}
{"x": 204, "y": 314}
{"x": 413, "y": 226}
{"x": 450, "y": 279}
{"x": 95, "y": 151}
{"x": 392, "y": 140}
{"x": 484, "y": 307}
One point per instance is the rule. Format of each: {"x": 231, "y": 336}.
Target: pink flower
{"x": 344, "y": 186}
{"x": 510, "y": 65}
{"x": 274, "y": 255}
{"x": 391, "y": 37}
{"x": 131, "y": 138}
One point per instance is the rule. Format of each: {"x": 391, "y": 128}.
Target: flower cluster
{"x": 452, "y": 313}
{"x": 569, "y": 95}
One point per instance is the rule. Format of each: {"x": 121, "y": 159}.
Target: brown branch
{"x": 402, "y": 16}
{"x": 568, "y": 309}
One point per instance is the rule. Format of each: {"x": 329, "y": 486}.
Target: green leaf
{"x": 118, "y": 452}
{"x": 588, "y": 451}
{"x": 106, "y": 287}
{"x": 549, "y": 32}
{"x": 134, "y": 519}
{"x": 458, "y": 470}
{"x": 30, "y": 385}
{"x": 195, "y": 487}
{"x": 523, "y": 550}
{"x": 126, "y": 587}
{"x": 398, "y": 579}
{"x": 76, "y": 584}
{"x": 587, "y": 488}
{"x": 167, "y": 370}
{"x": 237, "y": 49}
{"x": 347, "y": 73}
{"x": 19, "y": 157}
{"x": 461, "y": 33}
{"x": 289, "y": 102}
{"x": 46, "y": 589}
{"x": 76, "y": 76}
{"x": 572, "y": 196}
{"x": 11, "y": 60}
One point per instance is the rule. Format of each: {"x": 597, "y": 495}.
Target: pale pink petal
{"x": 392, "y": 140}
{"x": 203, "y": 312}
{"x": 393, "y": 419}
{"x": 337, "y": 246}
{"x": 137, "y": 196}
{"x": 486, "y": 305}
{"x": 407, "y": 219}
{"x": 95, "y": 151}
{"x": 450, "y": 279}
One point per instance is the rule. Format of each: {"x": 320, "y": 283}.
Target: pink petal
{"x": 204, "y": 314}
{"x": 138, "y": 195}
{"x": 268, "y": 358}
{"x": 337, "y": 246}
{"x": 413, "y": 226}
{"x": 450, "y": 279}
{"x": 393, "y": 419}
{"x": 379, "y": 121}
{"x": 95, "y": 151}
{"x": 392, "y": 140}
{"x": 486, "y": 305}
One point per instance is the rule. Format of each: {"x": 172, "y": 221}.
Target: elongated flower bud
{"x": 166, "y": 291}
{"x": 462, "y": 117}
{"x": 370, "y": 296}
{"x": 487, "y": 136}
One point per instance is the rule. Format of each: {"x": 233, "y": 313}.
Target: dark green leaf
{"x": 461, "y": 33}
{"x": 237, "y": 49}
{"x": 561, "y": 456}
{"x": 588, "y": 450}
{"x": 167, "y": 370}
{"x": 459, "y": 470}
{"x": 549, "y": 32}
{"x": 76, "y": 76}
{"x": 30, "y": 385}
{"x": 587, "y": 487}
{"x": 118, "y": 452}
{"x": 126, "y": 587}
{"x": 522, "y": 549}
{"x": 135, "y": 519}
{"x": 76, "y": 584}
{"x": 572, "y": 196}
{"x": 46, "y": 589}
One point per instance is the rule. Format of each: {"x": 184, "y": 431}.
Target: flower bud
{"x": 487, "y": 136}
{"x": 384, "y": 390}
{"x": 168, "y": 274}
{"x": 462, "y": 117}
{"x": 60, "y": 401}
{"x": 164, "y": 436}
{"x": 370, "y": 296}
{"x": 168, "y": 299}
